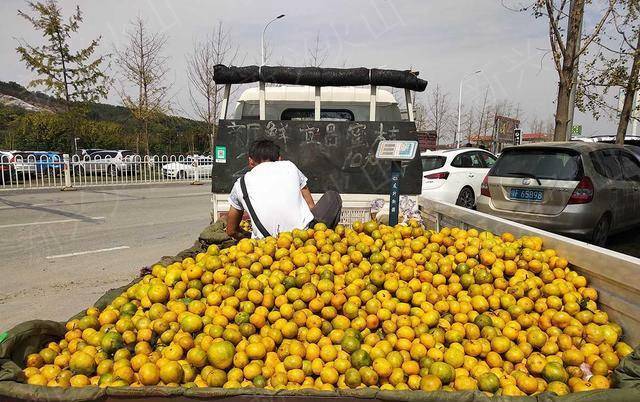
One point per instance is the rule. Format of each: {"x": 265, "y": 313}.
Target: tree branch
{"x": 555, "y": 34}
{"x": 596, "y": 30}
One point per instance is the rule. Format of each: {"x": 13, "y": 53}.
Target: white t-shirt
{"x": 274, "y": 191}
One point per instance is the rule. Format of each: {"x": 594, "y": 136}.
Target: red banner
{"x": 427, "y": 140}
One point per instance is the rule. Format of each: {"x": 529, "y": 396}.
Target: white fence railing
{"x": 55, "y": 171}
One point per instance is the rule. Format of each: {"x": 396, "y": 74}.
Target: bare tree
{"x": 206, "y": 96}
{"x": 420, "y": 113}
{"x": 614, "y": 65}
{"x": 143, "y": 69}
{"x": 468, "y": 117}
{"x": 317, "y": 53}
{"x": 439, "y": 112}
{"x": 482, "y": 129}
{"x": 631, "y": 89}
{"x": 567, "y": 45}
{"x": 542, "y": 126}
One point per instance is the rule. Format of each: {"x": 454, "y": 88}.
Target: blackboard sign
{"x": 336, "y": 155}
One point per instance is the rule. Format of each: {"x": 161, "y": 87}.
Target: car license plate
{"x": 525, "y": 194}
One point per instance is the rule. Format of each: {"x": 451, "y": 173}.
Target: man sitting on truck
{"x": 276, "y": 196}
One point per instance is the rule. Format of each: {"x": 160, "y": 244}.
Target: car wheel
{"x": 181, "y": 174}
{"x": 112, "y": 171}
{"x": 601, "y": 231}
{"x": 466, "y": 198}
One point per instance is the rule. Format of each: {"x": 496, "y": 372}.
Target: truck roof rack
{"x": 318, "y": 77}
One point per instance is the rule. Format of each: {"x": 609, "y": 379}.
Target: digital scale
{"x": 396, "y": 151}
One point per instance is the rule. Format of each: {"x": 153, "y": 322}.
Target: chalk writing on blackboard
{"x": 335, "y": 155}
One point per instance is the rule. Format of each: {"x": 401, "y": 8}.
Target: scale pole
{"x": 394, "y": 194}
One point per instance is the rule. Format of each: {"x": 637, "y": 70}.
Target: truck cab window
{"x": 325, "y": 114}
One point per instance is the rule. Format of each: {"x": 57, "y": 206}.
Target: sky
{"x": 444, "y": 40}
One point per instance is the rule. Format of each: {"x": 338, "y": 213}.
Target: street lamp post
{"x": 75, "y": 143}
{"x": 460, "y": 105}
{"x": 262, "y": 38}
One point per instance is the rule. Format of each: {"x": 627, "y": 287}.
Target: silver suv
{"x": 586, "y": 190}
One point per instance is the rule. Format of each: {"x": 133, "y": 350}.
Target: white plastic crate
{"x": 350, "y": 215}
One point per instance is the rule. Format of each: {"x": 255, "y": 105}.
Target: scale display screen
{"x": 397, "y": 150}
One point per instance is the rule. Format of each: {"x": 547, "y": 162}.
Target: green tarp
{"x": 31, "y": 336}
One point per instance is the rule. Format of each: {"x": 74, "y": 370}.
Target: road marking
{"x": 58, "y": 203}
{"x": 102, "y": 250}
{"x": 24, "y": 206}
{"x": 16, "y": 225}
{"x": 187, "y": 195}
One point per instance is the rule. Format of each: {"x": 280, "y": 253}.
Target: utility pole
{"x": 457, "y": 141}
{"x": 482, "y": 116}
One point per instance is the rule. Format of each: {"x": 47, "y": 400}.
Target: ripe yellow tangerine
{"x": 293, "y": 311}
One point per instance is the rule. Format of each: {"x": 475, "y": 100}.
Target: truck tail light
{"x": 484, "y": 187}
{"x": 437, "y": 176}
{"x": 583, "y": 192}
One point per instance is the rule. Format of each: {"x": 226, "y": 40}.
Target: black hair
{"x": 264, "y": 151}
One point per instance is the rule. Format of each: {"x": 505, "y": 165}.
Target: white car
{"x": 455, "y": 175}
{"x": 108, "y": 162}
{"x": 187, "y": 167}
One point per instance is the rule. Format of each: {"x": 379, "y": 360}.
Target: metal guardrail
{"x": 615, "y": 276}
{"x": 46, "y": 171}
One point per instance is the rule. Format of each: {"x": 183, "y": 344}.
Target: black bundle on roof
{"x": 317, "y": 76}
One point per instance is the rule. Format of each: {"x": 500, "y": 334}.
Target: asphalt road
{"x": 60, "y": 251}
{"x": 627, "y": 242}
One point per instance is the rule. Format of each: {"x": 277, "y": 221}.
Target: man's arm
{"x": 233, "y": 223}
{"x": 306, "y": 194}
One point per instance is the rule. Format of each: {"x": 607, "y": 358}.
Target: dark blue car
{"x": 47, "y": 161}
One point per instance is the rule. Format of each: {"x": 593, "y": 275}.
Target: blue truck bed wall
{"x": 334, "y": 155}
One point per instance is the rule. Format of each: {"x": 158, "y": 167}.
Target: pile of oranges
{"x": 399, "y": 308}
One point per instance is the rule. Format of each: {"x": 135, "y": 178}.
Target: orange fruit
{"x": 600, "y": 382}
{"x": 527, "y": 384}
{"x": 489, "y": 382}
{"x": 171, "y": 372}
{"x": 220, "y": 354}
{"x": 82, "y": 363}
{"x": 430, "y": 383}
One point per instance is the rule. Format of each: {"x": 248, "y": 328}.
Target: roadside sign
{"x": 504, "y": 128}
{"x": 221, "y": 154}
{"x": 517, "y": 136}
{"x": 427, "y": 140}
{"x": 576, "y": 130}
{"x": 397, "y": 150}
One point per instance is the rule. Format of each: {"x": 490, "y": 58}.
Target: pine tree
{"x": 69, "y": 74}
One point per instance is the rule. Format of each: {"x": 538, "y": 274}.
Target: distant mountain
{"x": 15, "y": 95}
{"x": 38, "y": 101}
{"x": 10, "y": 101}
{"x": 34, "y": 120}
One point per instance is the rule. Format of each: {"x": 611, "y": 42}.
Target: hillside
{"x": 35, "y": 121}
{"x": 36, "y": 100}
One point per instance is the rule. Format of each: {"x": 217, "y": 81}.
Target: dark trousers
{"x": 328, "y": 209}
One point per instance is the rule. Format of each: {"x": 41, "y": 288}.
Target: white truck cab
{"x": 298, "y": 102}
{"x": 330, "y": 132}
